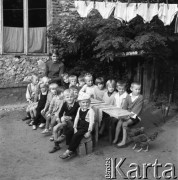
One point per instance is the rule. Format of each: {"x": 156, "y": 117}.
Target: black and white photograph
{"x": 88, "y": 89}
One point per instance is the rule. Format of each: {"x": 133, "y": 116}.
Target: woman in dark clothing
{"x": 54, "y": 68}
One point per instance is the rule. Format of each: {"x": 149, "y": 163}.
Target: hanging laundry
{"x": 167, "y": 12}
{"x": 105, "y": 8}
{"x": 84, "y": 7}
{"x": 131, "y": 11}
{"x": 147, "y": 12}
{"x": 120, "y": 12}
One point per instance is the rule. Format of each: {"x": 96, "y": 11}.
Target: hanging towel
{"x": 131, "y": 11}
{"x": 120, "y": 11}
{"x": 147, "y": 12}
{"x": 105, "y": 8}
{"x": 167, "y": 12}
{"x": 84, "y": 7}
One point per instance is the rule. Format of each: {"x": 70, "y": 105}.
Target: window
{"x": 13, "y": 41}
{"x": 23, "y": 26}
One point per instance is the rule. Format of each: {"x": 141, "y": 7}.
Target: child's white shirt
{"x": 89, "y": 90}
{"x": 119, "y": 99}
{"x": 133, "y": 98}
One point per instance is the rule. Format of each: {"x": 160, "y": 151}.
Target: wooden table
{"x": 99, "y": 107}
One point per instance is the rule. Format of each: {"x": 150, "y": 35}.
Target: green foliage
{"x": 92, "y": 44}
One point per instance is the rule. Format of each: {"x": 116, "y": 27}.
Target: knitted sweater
{"x": 88, "y": 90}
{"x": 72, "y": 111}
{"x": 98, "y": 94}
{"x": 55, "y": 104}
{"x": 54, "y": 70}
{"x": 136, "y": 106}
{"x": 90, "y": 117}
{"x": 109, "y": 99}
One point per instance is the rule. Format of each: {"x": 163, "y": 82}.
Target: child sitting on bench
{"x": 83, "y": 125}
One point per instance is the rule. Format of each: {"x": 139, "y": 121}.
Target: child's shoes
{"x": 55, "y": 148}
{"x": 34, "y": 127}
{"x": 31, "y": 123}
{"x": 51, "y": 138}
{"x": 42, "y": 125}
{"x": 25, "y": 118}
{"x": 46, "y": 131}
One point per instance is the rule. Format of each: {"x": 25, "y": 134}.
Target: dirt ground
{"x": 24, "y": 152}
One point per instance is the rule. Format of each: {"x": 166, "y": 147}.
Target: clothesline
{"x": 127, "y": 11}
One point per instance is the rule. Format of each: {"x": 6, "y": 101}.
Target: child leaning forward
{"x": 83, "y": 126}
{"x": 66, "y": 117}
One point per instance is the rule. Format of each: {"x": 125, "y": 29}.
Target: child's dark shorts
{"x": 135, "y": 121}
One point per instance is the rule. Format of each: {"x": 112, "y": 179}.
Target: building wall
{"x": 14, "y": 72}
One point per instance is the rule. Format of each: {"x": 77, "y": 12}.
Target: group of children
{"x": 65, "y": 111}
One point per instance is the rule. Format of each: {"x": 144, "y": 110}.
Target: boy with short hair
{"x": 134, "y": 104}
{"x": 119, "y": 99}
{"x": 75, "y": 90}
{"x": 121, "y": 94}
{"x": 65, "y": 80}
{"x": 66, "y": 116}
{"x": 83, "y": 126}
{"x": 89, "y": 86}
{"x": 72, "y": 80}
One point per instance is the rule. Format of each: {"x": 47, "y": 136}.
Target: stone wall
{"x": 14, "y": 72}
{"x": 60, "y": 7}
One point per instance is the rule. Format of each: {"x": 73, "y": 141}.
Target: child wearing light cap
{"x": 83, "y": 125}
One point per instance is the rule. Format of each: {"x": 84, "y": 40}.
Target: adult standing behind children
{"x": 54, "y": 68}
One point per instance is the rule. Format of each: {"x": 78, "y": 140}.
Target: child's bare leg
{"x": 34, "y": 111}
{"x": 124, "y": 126}
{"x": 57, "y": 129}
{"x": 53, "y": 122}
{"x": 118, "y": 130}
{"x": 31, "y": 113}
{"x": 48, "y": 121}
{"x": 102, "y": 128}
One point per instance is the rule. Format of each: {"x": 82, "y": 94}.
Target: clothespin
{"x": 128, "y": 3}
{"x": 105, "y": 3}
{"x": 148, "y": 3}
{"x": 167, "y": 3}
{"x": 158, "y": 3}
{"x": 94, "y": 4}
